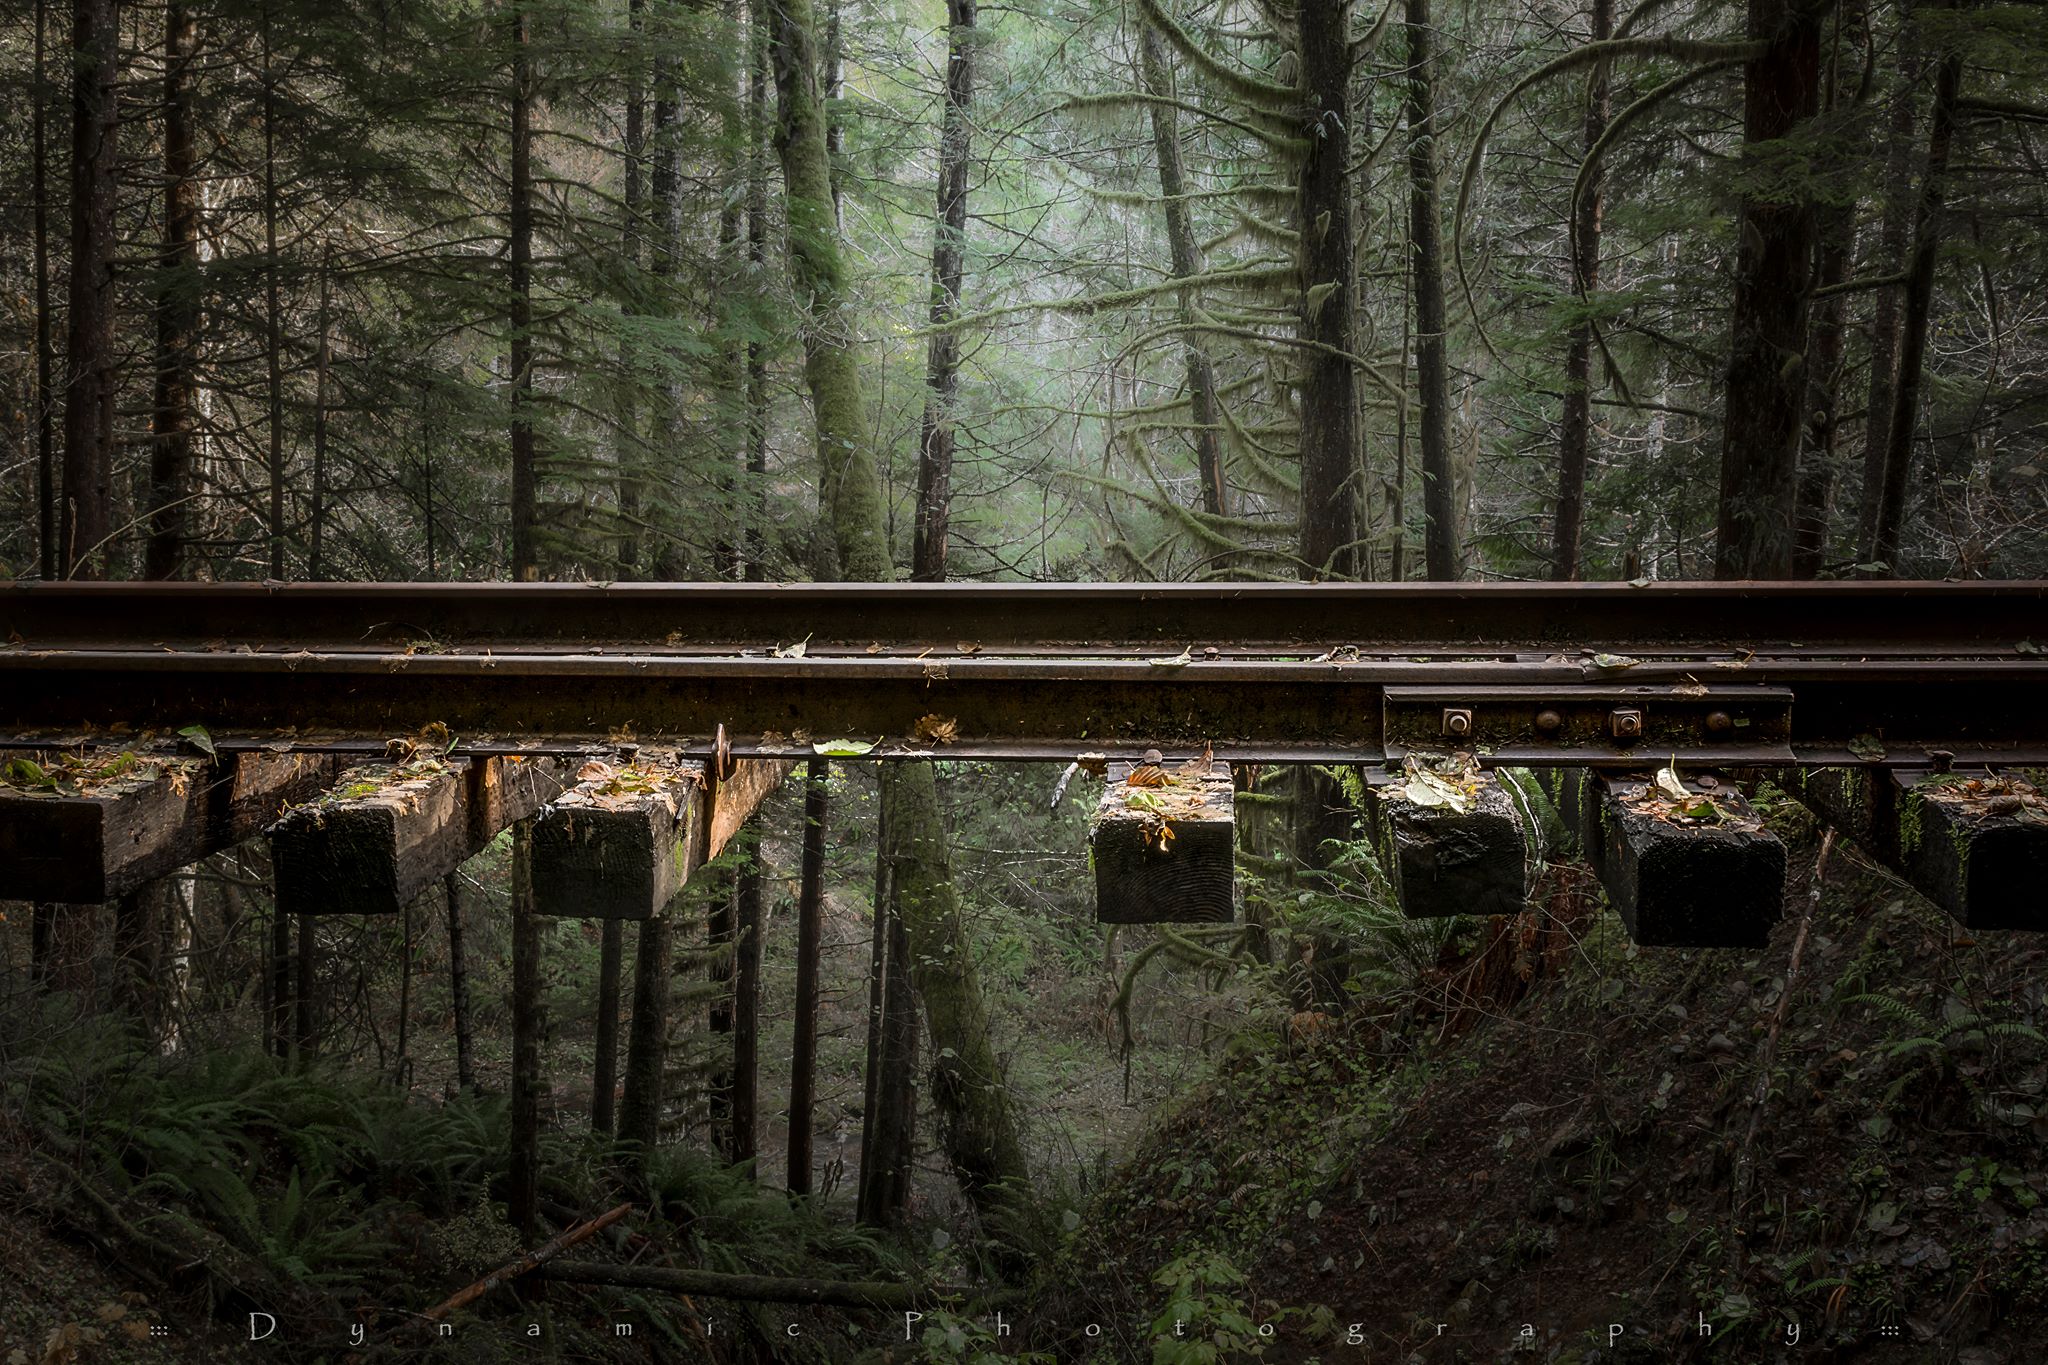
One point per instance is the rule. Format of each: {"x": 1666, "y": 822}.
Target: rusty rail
{"x": 1742, "y": 673}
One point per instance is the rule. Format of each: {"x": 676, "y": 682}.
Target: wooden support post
{"x": 1164, "y": 844}
{"x": 1711, "y": 881}
{"x": 1451, "y": 844}
{"x": 803, "y": 1065}
{"x": 1974, "y": 844}
{"x": 386, "y": 831}
{"x": 118, "y": 818}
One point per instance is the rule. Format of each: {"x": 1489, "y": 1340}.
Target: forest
{"x": 1161, "y": 292}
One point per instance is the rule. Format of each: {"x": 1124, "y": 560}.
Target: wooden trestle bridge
{"x": 1905, "y": 715}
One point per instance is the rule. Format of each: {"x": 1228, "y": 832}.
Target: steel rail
{"x": 1724, "y": 673}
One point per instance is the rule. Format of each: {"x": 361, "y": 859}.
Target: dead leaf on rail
{"x": 1670, "y": 783}
{"x": 596, "y": 770}
{"x": 1691, "y": 687}
{"x": 1869, "y": 748}
{"x": 936, "y": 729}
{"x": 1614, "y": 661}
{"x": 1180, "y": 660}
{"x": 795, "y": 651}
{"x": 843, "y": 748}
{"x": 1094, "y": 764}
{"x": 622, "y": 735}
{"x": 967, "y": 646}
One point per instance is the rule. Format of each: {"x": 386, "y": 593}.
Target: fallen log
{"x": 526, "y": 1264}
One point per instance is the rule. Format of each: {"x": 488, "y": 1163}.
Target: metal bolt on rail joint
{"x": 1719, "y": 722}
{"x": 1457, "y": 722}
{"x": 1626, "y": 723}
{"x": 1549, "y": 722}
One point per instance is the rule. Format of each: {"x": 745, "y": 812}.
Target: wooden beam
{"x": 1164, "y": 845}
{"x": 117, "y": 819}
{"x": 1974, "y": 844}
{"x": 1716, "y": 880}
{"x": 385, "y": 831}
{"x": 1452, "y": 846}
{"x": 622, "y": 842}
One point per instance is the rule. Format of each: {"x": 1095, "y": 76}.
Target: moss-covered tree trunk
{"x": 1444, "y": 538}
{"x": 978, "y": 1128}
{"x": 1329, "y": 405}
{"x": 1186, "y": 250}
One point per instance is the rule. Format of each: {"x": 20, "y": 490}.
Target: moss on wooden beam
{"x": 1976, "y": 844}
{"x": 83, "y": 827}
{"x": 386, "y": 831}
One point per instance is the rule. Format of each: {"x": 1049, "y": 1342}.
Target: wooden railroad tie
{"x": 1164, "y": 843}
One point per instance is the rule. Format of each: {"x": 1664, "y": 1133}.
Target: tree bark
{"x": 273, "y": 314}
{"x": 746, "y": 1012}
{"x": 626, "y": 446}
{"x": 1443, "y": 544}
{"x": 646, "y": 1044}
{"x": 754, "y": 494}
{"x": 1895, "y": 233}
{"x": 850, "y": 485}
{"x": 177, "y": 310}
{"x": 1766, "y": 377}
{"x": 323, "y": 359}
{"x": 458, "y": 985}
{"x": 50, "y": 561}
{"x": 1884, "y": 546}
{"x": 525, "y": 520}
{"x": 1186, "y": 253}
{"x": 949, "y": 263}
{"x": 1329, "y": 404}
{"x": 803, "y": 1064}
{"x": 528, "y": 1024}
{"x": 604, "y": 1084}
{"x": 1575, "y": 426}
{"x": 87, "y": 518}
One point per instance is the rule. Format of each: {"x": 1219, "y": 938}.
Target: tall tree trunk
{"x": 529, "y": 1022}
{"x": 273, "y": 312}
{"x": 665, "y": 231}
{"x": 604, "y": 1083}
{"x": 51, "y": 562}
{"x": 870, "y": 1205}
{"x": 1895, "y": 232}
{"x": 1443, "y": 536}
{"x": 1329, "y": 404}
{"x": 525, "y": 520}
{"x": 810, "y": 899}
{"x": 746, "y": 1011}
{"x": 646, "y": 1044}
{"x": 177, "y": 309}
{"x": 755, "y": 493}
{"x": 1766, "y": 377}
{"x": 949, "y": 264}
{"x": 626, "y": 448}
{"x": 458, "y": 985}
{"x": 850, "y": 485}
{"x": 87, "y": 519}
{"x": 306, "y": 1000}
{"x": 1898, "y": 456}
{"x": 1575, "y": 426}
{"x": 980, "y": 1135}
{"x": 977, "y": 1127}
{"x": 403, "y": 1066}
{"x": 1157, "y": 73}
{"x": 323, "y": 359}
{"x": 1814, "y": 509}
